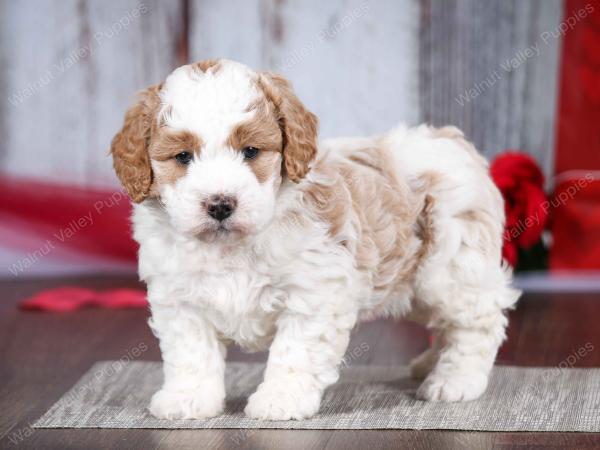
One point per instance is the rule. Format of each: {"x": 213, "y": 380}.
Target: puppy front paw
{"x": 284, "y": 399}
{"x": 186, "y": 404}
{"x": 456, "y": 387}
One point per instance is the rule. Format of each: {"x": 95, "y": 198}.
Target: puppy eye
{"x": 250, "y": 152}
{"x": 184, "y": 158}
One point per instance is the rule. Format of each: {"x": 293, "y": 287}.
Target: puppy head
{"x": 213, "y": 143}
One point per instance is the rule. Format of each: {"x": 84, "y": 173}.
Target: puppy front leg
{"x": 193, "y": 365}
{"x": 303, "y": 360}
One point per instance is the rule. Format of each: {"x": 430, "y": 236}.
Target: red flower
{"x": 521, "y": 183}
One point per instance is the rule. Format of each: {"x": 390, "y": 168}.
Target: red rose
{"x": 521, "y": 183}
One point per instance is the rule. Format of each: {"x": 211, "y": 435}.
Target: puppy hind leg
{"x": 465, "y": 299}
{"x": 465, "y": 361}
{"x": 470, "y": 330}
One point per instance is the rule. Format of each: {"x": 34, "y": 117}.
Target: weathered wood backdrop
{"x": 68, "y": 69}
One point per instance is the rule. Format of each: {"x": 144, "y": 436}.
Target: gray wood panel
{"x": 487, "y": 68}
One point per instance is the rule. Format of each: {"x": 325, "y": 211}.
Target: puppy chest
{"x": 242, "y": 306}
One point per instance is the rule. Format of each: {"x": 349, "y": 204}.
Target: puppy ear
{"x": 299, "y": 126}
{"x": 129, "y": 147}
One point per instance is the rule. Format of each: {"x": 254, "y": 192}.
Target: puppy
{"x": 252, "y": 232}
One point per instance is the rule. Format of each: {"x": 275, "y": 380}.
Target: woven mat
{"x": 115, "y": 395}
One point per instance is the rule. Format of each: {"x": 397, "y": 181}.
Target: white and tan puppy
{"x": 252, "y": 232}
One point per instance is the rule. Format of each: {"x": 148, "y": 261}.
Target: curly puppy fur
{"x": 317, "y": 237}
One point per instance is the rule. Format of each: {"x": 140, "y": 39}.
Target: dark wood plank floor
{"x": 42, "y": 355}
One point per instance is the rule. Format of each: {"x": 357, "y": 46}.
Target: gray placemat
{"x": 115, "y": 395}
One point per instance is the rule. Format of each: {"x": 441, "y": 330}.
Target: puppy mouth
{"x": 218, "y": 230}
{"x": 223, "y": 229}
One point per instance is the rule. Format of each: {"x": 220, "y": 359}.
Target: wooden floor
{"x": 42, "y": 355}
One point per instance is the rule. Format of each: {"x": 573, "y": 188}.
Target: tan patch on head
{"x": 208, "y": 64}
{"x": 262, "y": 132}
{"x": 164, "y": 147}
{"x": 298, "y": 125}
{"x": 266, "y": 165}
{"x": 168, "y": 143}
{"x": 129, "y": 147}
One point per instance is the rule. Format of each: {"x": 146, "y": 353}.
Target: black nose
{"x": 220, "y": 206}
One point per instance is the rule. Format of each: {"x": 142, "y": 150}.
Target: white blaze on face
{"x": 210, "y": 104}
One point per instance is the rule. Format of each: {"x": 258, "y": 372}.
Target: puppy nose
{"x": 220, "y": 206}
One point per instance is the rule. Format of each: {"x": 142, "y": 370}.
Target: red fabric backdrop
{"x": 88, "y": 220}
{"x": 575, "y": 219}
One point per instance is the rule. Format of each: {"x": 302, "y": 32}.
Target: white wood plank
{"x": 82, "y": 63}
{"x": 231, "y": 29}
{"x": 141, "y": 54}
{"x": 43, "y": 111}
{"x": 354, "y": 63}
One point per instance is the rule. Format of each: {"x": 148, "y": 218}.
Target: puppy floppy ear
{"x": 129, "y": 147}
{"x": 299, "y": 126}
